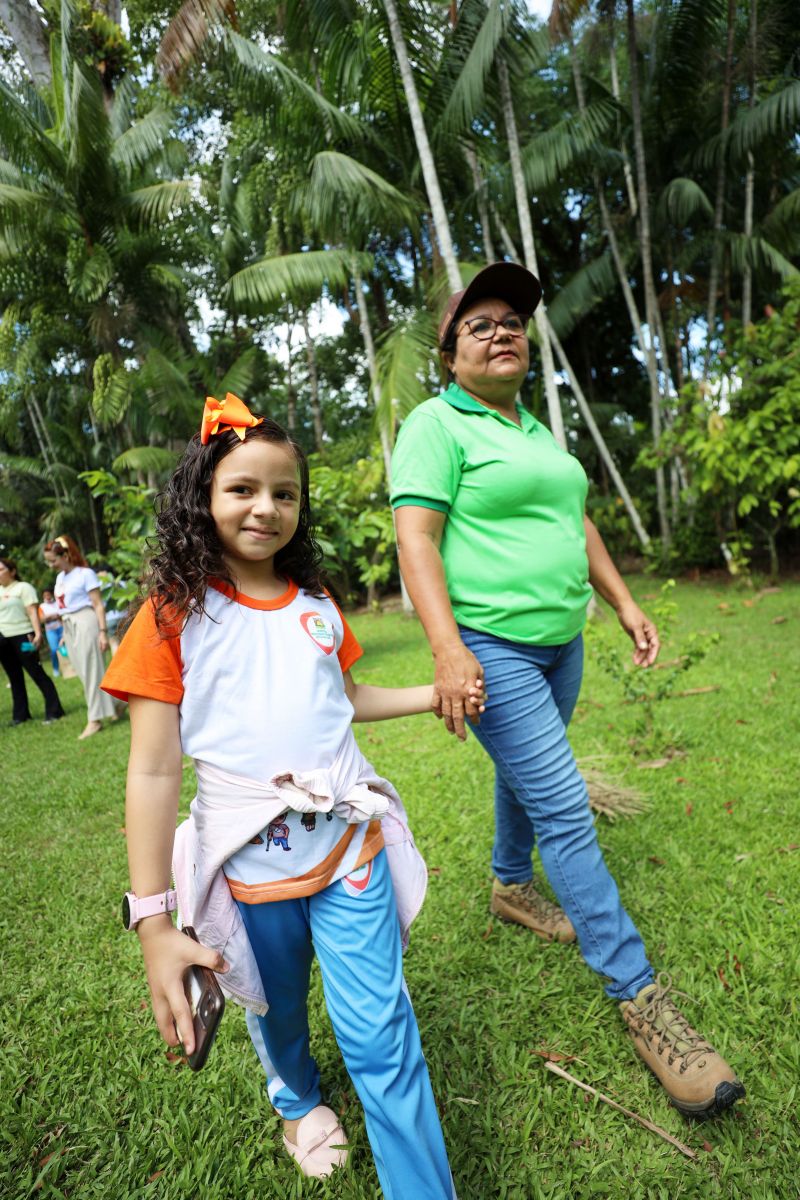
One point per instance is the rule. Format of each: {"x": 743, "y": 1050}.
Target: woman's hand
{"x": 36, "y": 640}
{"x": 642, "y": 632}
{"x": 457, "y": 671}
{"x": 102, "y": 638}
{"x": 168, "y": 954}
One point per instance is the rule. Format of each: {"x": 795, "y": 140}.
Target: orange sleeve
{"x": 350, "y": 650}
{"x": 146, "y": 663}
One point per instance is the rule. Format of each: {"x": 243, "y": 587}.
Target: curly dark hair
{"x": 187, "y": 549}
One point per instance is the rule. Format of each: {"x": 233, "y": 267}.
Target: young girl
{"x": 240, "y": 659}
{"x": 77, "y": 592}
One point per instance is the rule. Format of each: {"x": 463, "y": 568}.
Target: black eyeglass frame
{"x": 523, "y": 318}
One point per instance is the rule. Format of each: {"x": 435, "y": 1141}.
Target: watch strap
{"x": 149, "y": 906}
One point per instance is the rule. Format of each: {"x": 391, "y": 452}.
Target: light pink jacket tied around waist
{"x": 229, "y": 810}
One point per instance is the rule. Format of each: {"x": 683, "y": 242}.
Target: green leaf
{"x": 683, "y": 199}
{"x": 155, "y": 203}
{"x": 145, "y": 458}
{"x": 266, "y": 285}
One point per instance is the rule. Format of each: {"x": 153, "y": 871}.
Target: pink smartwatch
{"x": 136, "y": 908}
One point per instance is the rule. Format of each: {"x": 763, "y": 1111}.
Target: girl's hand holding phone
{"x": 167, "y": 957}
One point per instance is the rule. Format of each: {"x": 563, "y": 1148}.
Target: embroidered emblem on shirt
{"x": 357, "y": 881}
{"x": 320, "y": 631}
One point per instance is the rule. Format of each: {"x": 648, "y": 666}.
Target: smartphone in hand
{"x": 207, "y": 1005}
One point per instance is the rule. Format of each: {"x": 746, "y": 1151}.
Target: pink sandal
{"x": 321, "y": 1143}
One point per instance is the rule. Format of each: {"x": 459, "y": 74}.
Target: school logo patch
{"x": 357, "y": 881}
{"x": 320, "y": 631}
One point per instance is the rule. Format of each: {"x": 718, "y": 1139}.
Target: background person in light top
{"x": 500, "y": 559}
{"x": 19, "y": 625}
{"x": 53, "y": 629}
{"x": 240, "y": 659}
{"x": 77, "y": 593}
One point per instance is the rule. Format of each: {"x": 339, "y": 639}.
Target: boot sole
{"x": 725, "y": 1096}
{"x": 537, "y": 929}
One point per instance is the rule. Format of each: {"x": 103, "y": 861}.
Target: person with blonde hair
{"x": 77, "y": 593}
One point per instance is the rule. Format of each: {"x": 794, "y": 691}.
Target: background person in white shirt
{"x": 20, "y": 626}
{"x": 77, "y": 593}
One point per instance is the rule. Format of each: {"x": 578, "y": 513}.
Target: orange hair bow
{"x": 230, "y": 413}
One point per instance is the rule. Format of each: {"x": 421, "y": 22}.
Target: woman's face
{"x": 57, "y": 560}
{"x": 498, "y": 363}
{"x": 6, "y": 577}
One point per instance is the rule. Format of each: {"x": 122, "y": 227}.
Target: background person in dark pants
{"x": 19, "y": 624}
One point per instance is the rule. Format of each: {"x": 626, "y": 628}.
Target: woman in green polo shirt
{"x": 500, "y": 560}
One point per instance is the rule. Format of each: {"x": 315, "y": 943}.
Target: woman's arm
{"x": 419, "y": 535}
{"x": 606, "y": 579}
{"x": 36, "y": 625}
{"x": 151, "y": 809}
{"x": 380, "y": 703}
{"x": 100, "y": 613}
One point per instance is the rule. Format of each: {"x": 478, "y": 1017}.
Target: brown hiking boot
{"x": 697, "y": 1080}
{"x": 521, "y": 903}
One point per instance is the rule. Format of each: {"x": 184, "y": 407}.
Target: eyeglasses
{"x": 484, "y": 328}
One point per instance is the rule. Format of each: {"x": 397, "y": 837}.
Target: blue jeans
{"x": 540, "y": 796}
{"x": 53, "y": 638}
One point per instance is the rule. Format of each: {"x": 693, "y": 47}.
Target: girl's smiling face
{"x": 255, "y": 505}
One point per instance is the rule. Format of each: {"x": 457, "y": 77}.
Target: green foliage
{"x": 129, "y": 519}
{"x": 741, "y": 433}
{"x": 647, "y": 689}
{"x": 354, "y": 524}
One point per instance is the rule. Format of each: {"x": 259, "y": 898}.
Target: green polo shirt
{"x": 514, "y": 548}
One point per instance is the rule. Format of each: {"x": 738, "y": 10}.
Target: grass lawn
{"x": 91, "y": 1106}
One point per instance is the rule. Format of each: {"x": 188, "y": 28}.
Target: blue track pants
{"x": 353, "y": 928}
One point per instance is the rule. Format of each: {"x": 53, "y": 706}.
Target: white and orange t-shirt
{"x": 260, "y": 688}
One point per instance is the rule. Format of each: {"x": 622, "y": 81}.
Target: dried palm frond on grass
{"x": 611, "y": 799}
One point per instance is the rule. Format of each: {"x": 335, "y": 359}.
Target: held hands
{"x": 168, "y": 954}
{"x": 458, "y": 690}
{"x": 642, "y": 632}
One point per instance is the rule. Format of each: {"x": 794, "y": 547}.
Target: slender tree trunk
{"x": 585, "y": 410}
{"x": 719, "y": 196}
{"x": 438, "y": 211}
{"x": 645, "y": 248}
{"x": 480, "y": 201}
{"x": 626, "y": 162}
{"x": 30, "y": 37}
{"x": 313, "y": 380}
{"x": 291, "y": 394}
{"x": 749, "y": 181}
{"x": 372, "y": 364}
{"x": 529, "y": 250}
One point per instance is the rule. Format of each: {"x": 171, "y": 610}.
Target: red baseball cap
{"x": 502, "y": 281}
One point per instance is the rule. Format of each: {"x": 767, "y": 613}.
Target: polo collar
{"x": 458, "y": 398}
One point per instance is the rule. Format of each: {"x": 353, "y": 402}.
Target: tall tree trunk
{"x": 645, "y": 249}
{"x": 372, "y": 364}
{"x": 313, "y": 380}
{"x": 626, "y": 162}
{"x": 529, "y": 251}
{"x": 480, "y": 201}
{"x": 586, "y": 412}
{"x": 719, "y": 195}
{"x": 749, "y": 180}
{"x": 31, "y": 38}
{"x": 291, "y": 394}
{"x": 438, "y": 211}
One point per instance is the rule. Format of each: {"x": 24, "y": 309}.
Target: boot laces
{"x": 667, "y": 1023}
{"x": 537, "y": 904}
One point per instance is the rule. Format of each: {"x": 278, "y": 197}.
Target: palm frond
{"x": 549, "y": 155}
{"x": 240, "y": 375}
{"x": 783, "y": 223}
{"x": 18, "y": 200}
{"x": 585, "y": 289}
{"x": 142, "y": 140}
{"x": 93, "y": 275}
{"x": 406, "y": 361}
{"x": 187, "y": 33}
{"x": 345, "y": 192}
{"x": 154, "y": 204}
{"x": 24, "y": 141}
{"x": 265, "y": 285}
{"x": 681, "y": 200}
{"x": 467, "y": 95}
{"x": 777, "y": 114}
{"x": 287, "y": 84}
{"x": 145, "y": 458}
{"x": 758, "y": 253}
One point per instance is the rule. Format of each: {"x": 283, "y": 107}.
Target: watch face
{"x": 126, "y": 911}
